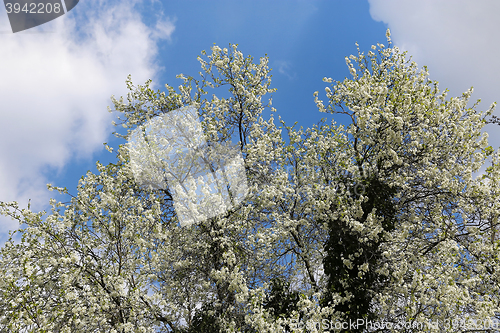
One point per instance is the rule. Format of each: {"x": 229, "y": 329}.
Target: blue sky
{"x": 56, "y": 80}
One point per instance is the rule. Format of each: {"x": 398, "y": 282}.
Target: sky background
{"x": 56, "y": 80}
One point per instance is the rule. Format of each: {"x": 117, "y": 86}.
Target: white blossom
{"x": 116, "y": 258}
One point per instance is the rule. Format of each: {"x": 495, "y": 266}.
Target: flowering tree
{"x": 413, "y": 246}
{"x": 380, "y": 220}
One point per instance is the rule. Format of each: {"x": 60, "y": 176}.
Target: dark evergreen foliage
{"x": 344, "y": 242}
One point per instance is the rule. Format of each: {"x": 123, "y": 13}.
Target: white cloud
{"x": 457, "y": 40}
{"x": 164, "y": 29}
{"x": 284, "y": 67}
{"x": 55, "y": 89}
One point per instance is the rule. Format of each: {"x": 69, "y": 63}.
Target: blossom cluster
{"x": 419, "y": 243}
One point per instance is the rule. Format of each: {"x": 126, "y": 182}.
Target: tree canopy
{"x": 379, "y": 224}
